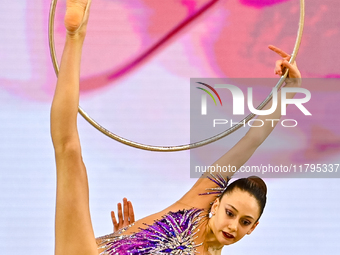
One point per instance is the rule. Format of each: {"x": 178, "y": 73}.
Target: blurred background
{"x": 144, "y": 96}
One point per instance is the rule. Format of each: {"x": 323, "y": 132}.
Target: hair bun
{"x": 257, "y": 181}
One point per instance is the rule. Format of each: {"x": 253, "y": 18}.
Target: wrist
{"x": 293, "y": 82}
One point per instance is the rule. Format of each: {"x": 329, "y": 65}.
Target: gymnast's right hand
{"x": 125, "y": 218}
{"x": 294, "y": 75}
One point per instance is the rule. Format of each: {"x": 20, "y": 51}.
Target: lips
{"x": 227, "y": 235}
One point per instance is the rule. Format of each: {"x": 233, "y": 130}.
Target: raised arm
{"x": 238, "y": 155}
{"x": 73, "y": 228}
{"x": 242, "y": 151}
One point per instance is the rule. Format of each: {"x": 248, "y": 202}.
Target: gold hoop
{"x": 180, "y": 147}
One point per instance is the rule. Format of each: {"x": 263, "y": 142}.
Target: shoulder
{"x": 205, "y": 191}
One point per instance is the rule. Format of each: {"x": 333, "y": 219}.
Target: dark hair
{"x": 254, "y": 185}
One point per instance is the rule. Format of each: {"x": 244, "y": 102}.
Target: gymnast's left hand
{"x": 125, "y": 217}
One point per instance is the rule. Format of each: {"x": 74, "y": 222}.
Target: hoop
{"x": 179, "y": 147}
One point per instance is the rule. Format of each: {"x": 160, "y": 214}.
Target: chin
{"x": 227, "y": 241}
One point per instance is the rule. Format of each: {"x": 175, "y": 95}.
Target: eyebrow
{"x": 247, "y": 216}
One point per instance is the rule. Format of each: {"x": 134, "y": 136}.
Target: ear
{"x": 215, "y": 206}
{"x": 252, "y": 228}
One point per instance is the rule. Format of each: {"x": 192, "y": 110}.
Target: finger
{"x": 126, "y": 212}
{"x": 278, "y": 67}
{"x": 120, "y": 214}
{"x": 286, "y": 64}
{"x": 279, "y": 51}
{"x": 293, "y": 69}
{"x": 131, "y": 213}
{"x": 114, "y": 222}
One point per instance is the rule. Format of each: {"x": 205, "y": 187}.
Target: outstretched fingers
{"x": 126, "y": 215}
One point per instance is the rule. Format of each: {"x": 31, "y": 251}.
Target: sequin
{"x": 220, "y": 181}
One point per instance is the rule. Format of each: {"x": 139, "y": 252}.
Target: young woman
{"x": 184, "y": 227}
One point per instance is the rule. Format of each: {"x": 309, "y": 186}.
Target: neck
{"x": 211, "y": 244}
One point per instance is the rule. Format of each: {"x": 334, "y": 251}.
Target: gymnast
{"x": 209, "y": 216}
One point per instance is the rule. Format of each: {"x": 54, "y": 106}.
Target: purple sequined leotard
{"x": 173, "y": 234}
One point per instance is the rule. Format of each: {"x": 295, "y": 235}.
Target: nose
{"x": 233, "y": 225}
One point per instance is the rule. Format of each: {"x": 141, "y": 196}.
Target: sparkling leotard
{"x": 173, "y": 234}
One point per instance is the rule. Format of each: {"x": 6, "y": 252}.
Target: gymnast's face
{"x": 234, "y": 216}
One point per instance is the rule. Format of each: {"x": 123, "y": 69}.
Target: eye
{"x": 246, "y": 222}
{"x": 229, "y": 213}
